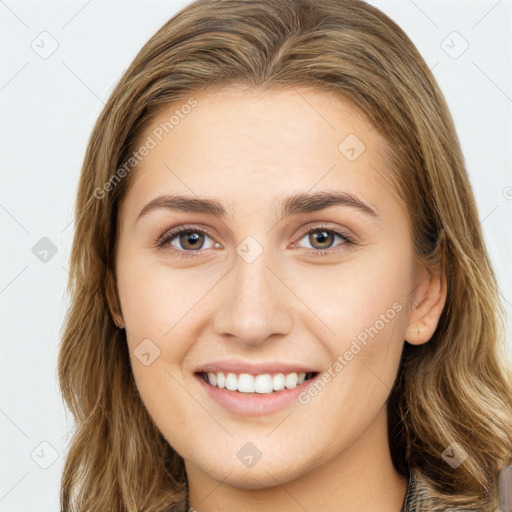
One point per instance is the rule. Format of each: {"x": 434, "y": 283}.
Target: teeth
{"x": 231, "y": 382}
{"x": 291, "y": 380}
{"x": 278, "y": 382}
{"x": 261, "y": 383}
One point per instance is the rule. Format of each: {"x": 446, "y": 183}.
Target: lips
{"x": 248, "y": 399}
{"x": 238, "y": 366}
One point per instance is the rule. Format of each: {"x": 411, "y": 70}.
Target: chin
{"x": 257, "y": 479}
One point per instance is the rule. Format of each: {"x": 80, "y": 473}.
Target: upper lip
{"x": 239, "y": 366}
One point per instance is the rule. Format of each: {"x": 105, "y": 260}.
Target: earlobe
{"x": 113, "y": 300}
{"x": 428, "y": 303}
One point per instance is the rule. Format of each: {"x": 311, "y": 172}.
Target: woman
{"x": 211, "y": 360}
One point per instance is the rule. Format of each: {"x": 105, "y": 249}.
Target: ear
{"x": 427, "y": 303}
{"x": 113, "y": 299}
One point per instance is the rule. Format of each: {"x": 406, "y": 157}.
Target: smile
{"x": 264, "y": 383}
{"x": 251, "y": 395}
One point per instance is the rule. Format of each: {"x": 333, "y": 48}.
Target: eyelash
{"x": 163, "y": 241}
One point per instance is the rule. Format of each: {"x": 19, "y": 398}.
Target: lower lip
{"x": 254, "y": 404}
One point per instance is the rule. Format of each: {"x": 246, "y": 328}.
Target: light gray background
{"x": 49, "y": 103}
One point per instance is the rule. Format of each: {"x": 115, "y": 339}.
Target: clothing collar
{"x": 410, "y": 495}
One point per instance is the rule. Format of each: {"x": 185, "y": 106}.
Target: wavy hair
{"x": 455, "y": 388}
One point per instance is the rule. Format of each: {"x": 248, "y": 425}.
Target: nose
{"x": 255, "y": 303}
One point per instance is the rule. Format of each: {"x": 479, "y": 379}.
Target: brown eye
{"x": 322, "y": 241}
{"x": 323, "y": 238}
{"x": 191, "y": 240}
{"x": 185, "y": 241}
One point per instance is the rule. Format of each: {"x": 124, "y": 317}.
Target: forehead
{"x": 250, "y": 147}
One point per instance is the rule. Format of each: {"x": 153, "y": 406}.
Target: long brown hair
{"x": 455, "y": 388}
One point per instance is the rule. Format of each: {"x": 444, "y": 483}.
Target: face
{"x": 302, "y": 264}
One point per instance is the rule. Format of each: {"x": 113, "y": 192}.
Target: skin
{"x": 249, "y": 150}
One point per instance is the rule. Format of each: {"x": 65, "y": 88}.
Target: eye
{"x": 321, "y": 239}
{"x": 184, "y": 240}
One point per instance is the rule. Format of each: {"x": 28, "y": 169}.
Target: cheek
{"x": 361, "y": 308}
{"x": 155, "y": 299}
{"x": 163, "y": 309}
{"x": 159, "y": 305}
{"x": 369, "y": 290}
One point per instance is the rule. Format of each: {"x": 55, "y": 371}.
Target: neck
{"x": 360, "y": 479}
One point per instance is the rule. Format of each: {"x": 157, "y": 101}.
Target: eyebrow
{"x": 291, "y": 205}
